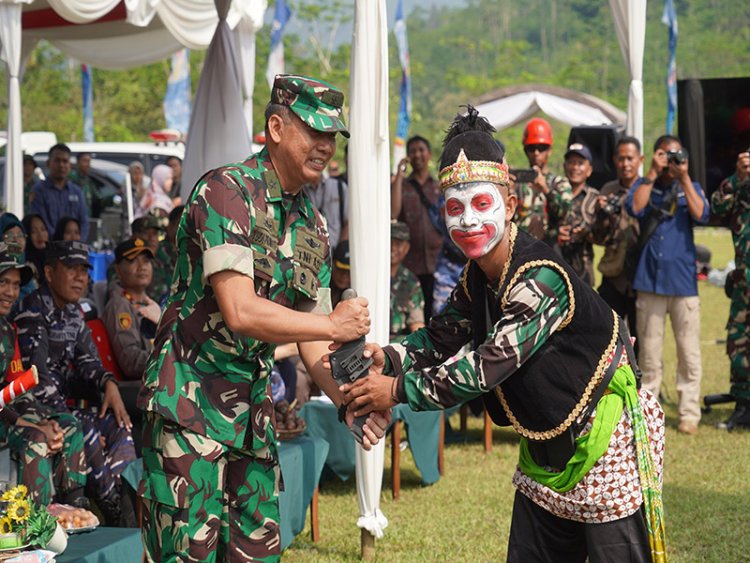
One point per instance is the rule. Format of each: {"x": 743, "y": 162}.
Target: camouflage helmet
{"x": 9, "y": 261}
{"x": 400, "y": 231}
{"x": 315, "y": 102}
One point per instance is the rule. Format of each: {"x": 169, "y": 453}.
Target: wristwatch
{"x": 647, "y": 181}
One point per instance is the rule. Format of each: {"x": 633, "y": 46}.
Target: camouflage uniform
{"x": 42, "y": 473}
{"x": 539, "y": 214}
{"x": 732, "y": 200}
{"x": 211, "y": 475}
{"x": 90, "y": 191}
{"x": 58, "y": 342}
{"x": 407, "y": 302}
{"x": 579, "y": 252}
{"x": 163, "y": 269}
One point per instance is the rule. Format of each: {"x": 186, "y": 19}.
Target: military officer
{"x": 732, "y": 200}
{"x": 407, "y": 301}
{"x": 130, "y": 315}
{"x": 53, "y": 336}
{"x": 252, "y": 265}
{"x": 50, "y": 447}
{"x": 543, "y": 203}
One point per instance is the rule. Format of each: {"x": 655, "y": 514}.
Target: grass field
{"x": 466, "y": 515}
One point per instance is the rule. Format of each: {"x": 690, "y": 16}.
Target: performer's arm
{"x": 537, "y": 306}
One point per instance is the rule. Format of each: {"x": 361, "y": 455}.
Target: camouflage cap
{"x": 146, "y": 222}
{"x": 69, "y": 252}
{"x": 129, "y": 249}
{"x": 9, "y": 261}
{"x": 315, "y": 102}
{"x": 400, "y": 231}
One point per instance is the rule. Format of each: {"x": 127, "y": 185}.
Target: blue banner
{"x": 87, "y": 89}
{"x": 404, "y": 108}
{"x": 176, "y": 105}
{"x": 669, "y": 18}
{"x": 276, "y": 57}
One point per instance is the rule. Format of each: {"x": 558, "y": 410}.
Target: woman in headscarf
{"x": 14, "y": 236}
{"x": 138, "y": 186}
{"x": 37, "y": 237}
{"x": 157, "y": 199}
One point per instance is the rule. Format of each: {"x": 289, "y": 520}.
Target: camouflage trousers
{"x": 109, "y": 449}
{"x": 206, "y": 501}
{"x": 44, "y": 473}
{"x": 738, "y": 341}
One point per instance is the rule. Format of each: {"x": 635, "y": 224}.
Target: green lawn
{"x": 466, "y": 515}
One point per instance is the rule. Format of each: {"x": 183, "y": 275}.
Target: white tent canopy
{"x": 508, "y": 106}
{"x": 111, "y": 34}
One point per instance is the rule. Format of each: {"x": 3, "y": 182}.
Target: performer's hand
{"x": 53, "y": 433}
{"x": 113, "y": 400}
{"x": 372, "y": 350}
{"x": 350, "y": 319}
{"x": 375, "y": 426}
{"x": 371, "y": 393}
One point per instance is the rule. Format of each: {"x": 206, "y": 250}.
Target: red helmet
{"x": 740, "y": 121}
{"x": 537, "y": 132}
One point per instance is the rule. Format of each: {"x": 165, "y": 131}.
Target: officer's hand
{"x": 374, "y": 429}
{"x": 350, "y": 320}
{"x": 658, "y": 163}
{"x": 53, "y": 433}
{"x": 563, "y": 235}
{"x": 113, "y": 400}
{"x": 540, "y": 182}
{"x": 152, "y": 311}
{"x": 743, "y": 166}
{"x": 371, "y": 393}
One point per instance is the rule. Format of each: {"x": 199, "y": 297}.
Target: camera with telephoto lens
{"x": 612, "y": 206}
{"x": 677, "y": 157}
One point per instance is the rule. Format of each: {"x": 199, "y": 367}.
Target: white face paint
{"x": 475, "y": 217}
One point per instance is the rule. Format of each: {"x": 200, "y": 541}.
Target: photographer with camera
{"x": 574, "y": 233}
{"x": 617, "y": 232}
{"x": 667, "y": 203}
{"x": 732, "y": 201}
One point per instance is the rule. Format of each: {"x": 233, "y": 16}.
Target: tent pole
{"x": 368, "y": 546}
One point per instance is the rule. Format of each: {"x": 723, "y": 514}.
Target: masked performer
{"x": 549, "y": 358}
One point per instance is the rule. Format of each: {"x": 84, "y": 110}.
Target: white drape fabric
{"x": 506, "y": 112}
{"x": 369, "y": 213}
{"x": 630, "y": 23}
{"x": 217, "y": 133}
{"x": 251, "y": 21}
{"x": 10, "y": 53}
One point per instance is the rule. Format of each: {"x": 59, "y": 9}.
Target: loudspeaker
{"x": 601, "y": 141}
{"x": 713, "y": 120}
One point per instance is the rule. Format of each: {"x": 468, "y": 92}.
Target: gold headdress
{"x": 464, "y": 171}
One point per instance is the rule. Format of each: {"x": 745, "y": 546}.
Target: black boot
{"x": 75, "y": 497}
{"x": 740, "y": 418}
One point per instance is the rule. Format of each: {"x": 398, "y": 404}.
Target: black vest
{"x": 545, "y": 396}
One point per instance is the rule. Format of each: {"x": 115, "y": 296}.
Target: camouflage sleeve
{"x": 446, "y": 333}
{"x": 416, "y": 305}
{"x": 559, "y": 199}
{"x": 723, "y": 199}
{"x": 34, "y": 346}
{"x": 221, "y": 217}
{"x": 88, "y": 367}
{"x": 537, "y": 305}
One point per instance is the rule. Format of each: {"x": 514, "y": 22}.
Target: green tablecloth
{"x": 423, "y": 430}
{"x": 301, "y": 461}
{"x": 104, "y": 545}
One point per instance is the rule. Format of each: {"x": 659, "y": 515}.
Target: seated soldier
{"x": 407, "y": 301}
{"x": 49, "y": 448}
{"x": 167, "y": 252}
{"x": 53, "y": 336}
{"x": 150, "y": 229}
{"x": 130, "y": 315}
{"x": 130, "y": 318}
